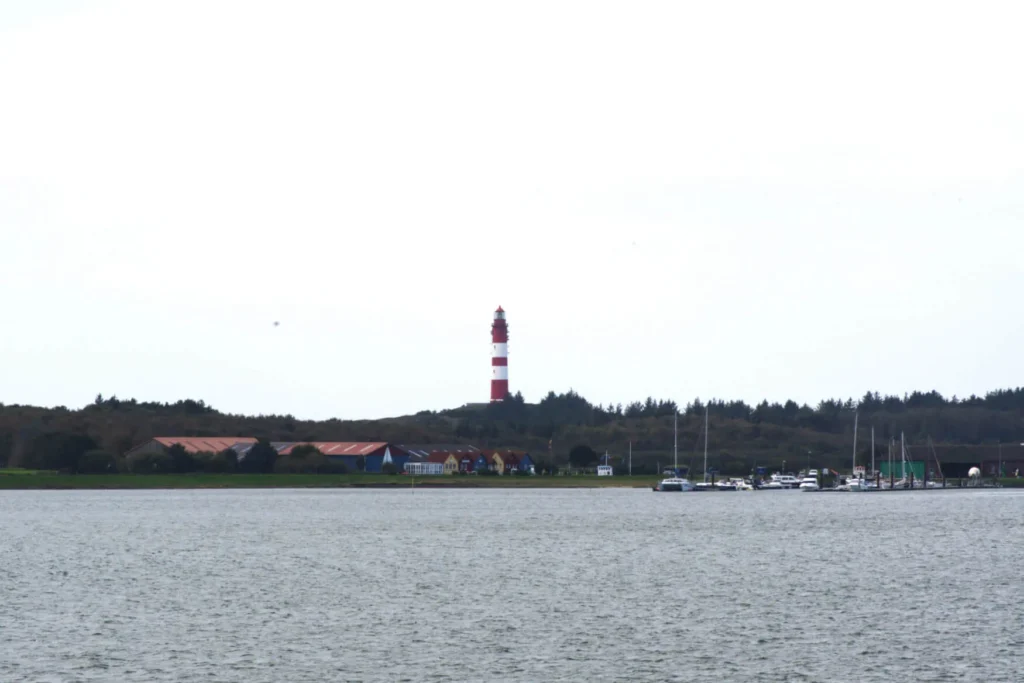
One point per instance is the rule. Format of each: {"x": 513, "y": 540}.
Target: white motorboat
{"x": 810, "y": 484}
{"x": 853, "y": 484}
{"x": 772, "y": 486}
{"x": 743, "y": 485}
{"x": 674, "y": 484}
{"x": 785, "y": 481}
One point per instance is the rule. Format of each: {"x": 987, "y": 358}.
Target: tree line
{"x": 97, "y": 437}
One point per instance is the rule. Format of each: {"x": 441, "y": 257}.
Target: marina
{"x": 810, "y": 480}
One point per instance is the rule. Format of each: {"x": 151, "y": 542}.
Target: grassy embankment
{"x": 25, "y": 479}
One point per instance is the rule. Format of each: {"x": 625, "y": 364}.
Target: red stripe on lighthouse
{"x": 499, "y": 389}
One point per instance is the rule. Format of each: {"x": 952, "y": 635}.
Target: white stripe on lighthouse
{"x": 499, "y": 350}
{"x": 499, "y": 372}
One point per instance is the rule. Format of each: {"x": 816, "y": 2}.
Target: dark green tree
{"x": 59, "y": 451}
{"x": 260, "y": 459}
{"x": 582, "y": 456}
{"x": 181, "y": 460}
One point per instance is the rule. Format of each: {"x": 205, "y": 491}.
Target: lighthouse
{"x": 499, "y": 356}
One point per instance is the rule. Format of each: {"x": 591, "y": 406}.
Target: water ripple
{"x": 279, "y": 586}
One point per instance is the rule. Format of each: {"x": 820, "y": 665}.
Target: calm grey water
{"x": 588, "y": 585}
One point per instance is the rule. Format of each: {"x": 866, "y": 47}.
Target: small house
{"x": 424, "y": 467}
{"x": 449, "y": 463}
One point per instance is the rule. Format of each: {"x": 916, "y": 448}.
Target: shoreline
{"x": 50, "y": 481}
{"x": 14, "y": 481}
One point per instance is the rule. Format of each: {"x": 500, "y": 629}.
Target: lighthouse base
{"x": 499, "y": 390}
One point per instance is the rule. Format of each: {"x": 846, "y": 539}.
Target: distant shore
{"x": 254, "y": 481}
{"x": 24, "y": 480}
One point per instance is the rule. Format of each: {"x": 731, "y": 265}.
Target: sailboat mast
{"x": 675, "y": 444}
{"x": 631, "y": 458}
{"x": 854, "y": 466}
{"x": 903, "y": 455}
{"x": 705, "y": 443}
{"x": 891, "y": 442}
{"x": 872, "y": 450}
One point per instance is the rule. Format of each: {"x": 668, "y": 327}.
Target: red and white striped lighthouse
{"x": 499, "y": 356}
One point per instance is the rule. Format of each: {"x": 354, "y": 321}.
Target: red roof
{"x": 206, "y": 444}
{"x": 354, "y": 448}
{"x": 500, "y": 310}
{"x": 441, "y": 457}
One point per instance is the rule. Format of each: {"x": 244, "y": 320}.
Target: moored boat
{"x": 674, "y": 484}
{"x": 810, "y": 484}
{"x": 783, "y": 481}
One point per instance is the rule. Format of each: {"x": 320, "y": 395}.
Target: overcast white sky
{"x": 729, "y": 199}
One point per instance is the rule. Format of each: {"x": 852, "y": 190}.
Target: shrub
{"x": 304, "y": 459}
{"x": 260, "y": 458}
{"x": 334, "y": 467}
{"x": 389, "y": 468}
{"x": 181, "y": 460}
{"x": 224, "y": 461}
{"x": 150, "y": 463}
{"x": 96, "y": 462}
{"x": 56, "y": 451}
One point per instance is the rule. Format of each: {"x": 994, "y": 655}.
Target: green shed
{"x": 915, "y": 466}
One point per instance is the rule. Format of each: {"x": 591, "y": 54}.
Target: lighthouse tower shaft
{"x": 499, "y": 356}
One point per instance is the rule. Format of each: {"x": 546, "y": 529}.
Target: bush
{"x": 582, "y": 456}
{"x": 150, "y": 463}
{"x": 224, "y": 461}
{"x": 389, "y": 468}
{"x": 304, "y": 459}
{"x": 334, "y": 467}
{"x": 181, "y": 460}
{"x": 56, "y": 451}
{"x": 96, "y": 462}
{"x": 487, "y": 473}
{"x": 260, "y": 458}
{"x": 308, "y": 460}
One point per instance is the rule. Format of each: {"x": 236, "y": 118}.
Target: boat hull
{"x": 673, "y": 486}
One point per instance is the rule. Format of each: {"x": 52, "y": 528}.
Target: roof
{"x": 353, "y": 448}
{"x": 506, "y": 452}
{"x": 500, "y": 309}
{"x": 207, "y": 444}
{"x": 441, "y": 457}
{"x": 424, "y": 450}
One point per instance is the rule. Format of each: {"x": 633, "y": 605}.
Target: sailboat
{"x": 675, "y": 482}
{"x": 705, "y": 485}
{"x": 902, "y": 482}
{"x": 854, "y": 483}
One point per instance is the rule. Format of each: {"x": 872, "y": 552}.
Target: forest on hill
{"x": 739, "y": 435}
